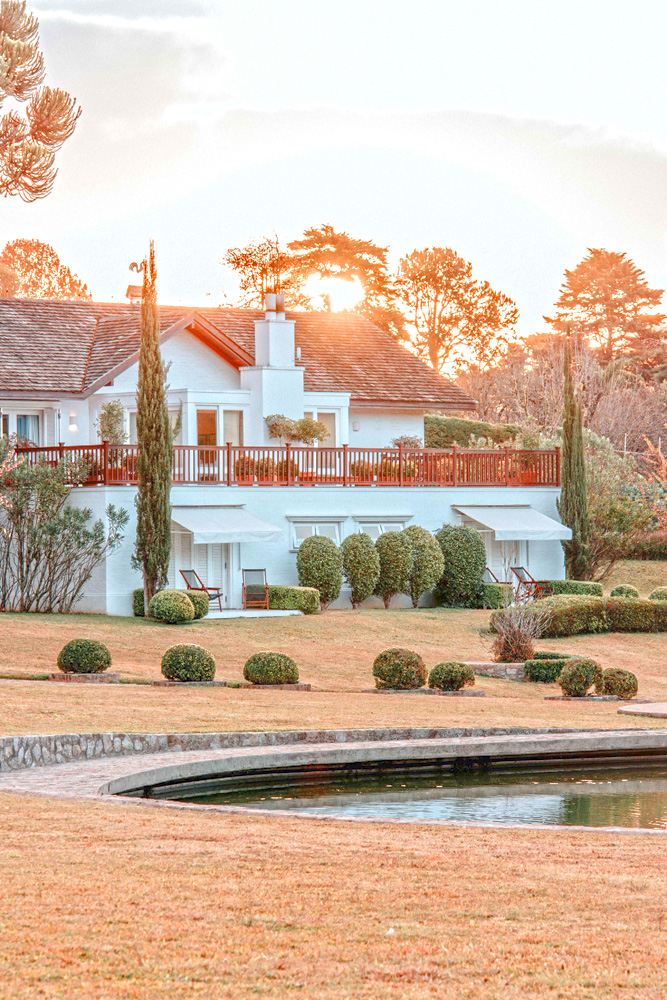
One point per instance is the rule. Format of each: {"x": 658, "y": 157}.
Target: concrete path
{"x": 652, "y": 710}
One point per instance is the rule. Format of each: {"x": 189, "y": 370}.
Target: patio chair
{"x": 529, "y": 587}
{"x": 255, "y": 589}
{"x": 494, "y": 578}
{"x": 193, "y": 582}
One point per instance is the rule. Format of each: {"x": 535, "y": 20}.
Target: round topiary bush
{"x": 199, "y": 600}
{"x": 271, "y": 668}
{"x": 361, "y": 566}
{"x": 659, "y": 594}
{"x": 173, "y": 607}
{"x": 544, "y": 671}
{"x": 396, "y": 558}
{"x": 188, "y": 663}
{"x": 578, "y": 676}
{"x": 399, "y": 668}
{"x": 451, "y": 676}
{"x": 84, "y": 656}
{"x": 428, "y": 563}
{"x": 319, "y": 563}
{"x": 622, "y": 683}
{"x": 624, "y": 590}
{"x": 465, "y": 561}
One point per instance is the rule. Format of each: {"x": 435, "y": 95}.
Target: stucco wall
{"x": 377, "y": 428}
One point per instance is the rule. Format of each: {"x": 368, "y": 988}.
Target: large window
{"x": 27, "y": 427}
{"x": 232, "y": 427}
{"x": 306, "y": 529}
{"x": 329, "y": 421}
{"x": 376, "y": 528}
{"x": 173, "y": 416}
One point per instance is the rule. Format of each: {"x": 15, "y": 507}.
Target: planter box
{"x": 103, "y": 678}
{"x": 465, "y": 693}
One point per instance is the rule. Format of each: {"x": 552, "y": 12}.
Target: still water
{"x": 630, "y": 796}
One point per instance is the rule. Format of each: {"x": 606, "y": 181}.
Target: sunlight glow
{"x": 342, "y": 294}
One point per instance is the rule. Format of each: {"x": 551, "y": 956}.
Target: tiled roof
{"x": 50, "y": 346}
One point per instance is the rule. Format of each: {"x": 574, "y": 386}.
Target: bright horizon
{"x": 517, "y": 134}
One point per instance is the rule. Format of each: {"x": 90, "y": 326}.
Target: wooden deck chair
{"x": 528, "y": 586}
{"x": 494, "y": 578}
{"x": 193, "y": 582}
{"x": 255, "y": 589}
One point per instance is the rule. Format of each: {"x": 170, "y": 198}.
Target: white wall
{"x": 193, "y": 366}
{"x": 377, "y": 427}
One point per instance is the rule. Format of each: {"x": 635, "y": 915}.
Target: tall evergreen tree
{"x": 154, "y": 438}
{"x": 573, "y": 504}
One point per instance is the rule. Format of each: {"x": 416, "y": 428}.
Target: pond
{"x": 630, "y": 796}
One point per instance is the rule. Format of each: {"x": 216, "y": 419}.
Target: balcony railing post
{"x": 229, "y": 463}
{"x": 400, "y": 464}
{"x": 61, "y": 451}
{"x": 288, "y": 449}
{"x": 507, "y": 466}
{"x": 455, "y": 465}
{"x": 557, "y": 483}
{"x": 105, "y": 462}
{"x": 345, "y": 466}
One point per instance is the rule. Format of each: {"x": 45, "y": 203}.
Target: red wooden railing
{"x": 116, "y": 465}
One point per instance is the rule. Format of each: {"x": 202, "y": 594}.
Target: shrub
{"x": 465, "y": 561}
{"x": 319, "y": 563}
{"x": 573, "y": 615}
{"x": 138, "y": 602}
{"x": 188, "y": 663}
{"x": 244, "y": 467}
{"x": 624, "y": 590}
{"x": 583, "y": 588}
{"x": 578, "y": 675}
{"x": 546, "y": 654}
{"x": 84, "y": 656}
{"x": 271, "y": 668}
{"x": 659, "y": 594}
{"x": 428, "y": 563}
{"x": 517, "y": 627}
{"x": 395, "y": 553}
{"x": 647, "y": 545}
{"x": 172, "y": 607}
{"x": 451, "y": 676}
{"x": 305, "y": 599}
{"x": 443, "y": 432}
{"x": 361, "y": 566}
{"x": 399, "y": 668}
{"x": 622, "y": 683}
{"x": 544, "y": 671}
{"x": 199, "y": 601}
{"x": 495, "y": 595}
{"x": 629, "y": 614}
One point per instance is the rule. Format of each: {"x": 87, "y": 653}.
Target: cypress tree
{"x": 154, "y": 438}
{"x": 573, "y": 505}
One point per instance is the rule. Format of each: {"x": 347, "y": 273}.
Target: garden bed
{"x": 445, "y": 694}
{"x": 102, "y": 678}
{"x": 232, "y": 684}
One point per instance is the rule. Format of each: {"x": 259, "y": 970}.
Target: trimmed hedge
{"x": 188, "y": 663}
{"x": 624, "y": 590}
{"x": 199, "y": 600}
{"x": 428, "y": 563}
{"x": 578, "y": 676}
{"x": 173, "y": 607}
{"x": 622, "y": 683}
{"x": 319, "y": 563}
{"x": 361, "y": 566}
{"x": 271, "y": 668}
{"x": 580, "y": 615}
{"x": 305, "y": 599}
{"x": 544, "y": 671}
{"x": 84, "y": 656}
{"x": 546, "y": 654}
{"x": 495, "y": 595}
{"x": 138, "y": 602}
{"x": 634, "y": 615}
{"x": 659, "y": 594}
{"x": 451, "y": 676}
{"x": 402, "y": 669}
{"x": 443, "y": 432}
{"x": 579, "y": 587}
{"x": 396, "y": 557}
{"x": 465, "y": 562}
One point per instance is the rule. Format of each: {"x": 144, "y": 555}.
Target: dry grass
{"x": 112, "y": 903}
{"x": 645, "y": 575}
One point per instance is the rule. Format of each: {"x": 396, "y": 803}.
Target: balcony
{"x": 116, "y": 465}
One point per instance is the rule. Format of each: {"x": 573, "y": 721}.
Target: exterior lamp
{"x": 72, "y": 426}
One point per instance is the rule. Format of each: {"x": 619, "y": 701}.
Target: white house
{"x": 239, "y": 498}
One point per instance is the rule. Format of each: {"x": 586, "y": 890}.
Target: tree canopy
{"x": 30, "y": 269}
{"x": 607, "y": 300}
{"x": 263, "y": 267}
{"x": 29, "y": 142}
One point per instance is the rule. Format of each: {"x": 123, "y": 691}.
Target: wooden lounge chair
{"x": 529, "y": 587}
{"x": 255, "y": 589}
{"x": 494, "y": 578}
{"x": 193, "y": 582}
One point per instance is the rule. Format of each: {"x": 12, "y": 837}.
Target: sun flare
{"x": 334, "y": 293}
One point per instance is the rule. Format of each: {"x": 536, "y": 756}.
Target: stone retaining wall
{"x": 504, "y": 671}
{"x": 20, "y": 752}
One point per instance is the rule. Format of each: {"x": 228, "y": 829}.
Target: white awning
{"x": 517, "y": 523}
{"x": 211, "y": 525}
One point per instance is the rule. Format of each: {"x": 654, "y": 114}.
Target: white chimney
{"x": 274, "y": 335}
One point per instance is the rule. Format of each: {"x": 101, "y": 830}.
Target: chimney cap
{"x": 270, "y": 301}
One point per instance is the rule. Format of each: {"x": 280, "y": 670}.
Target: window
{"x": 233, "y": 427}
{"x": 306, "y": 529}
{"x": 27, "y": 427}
{"x": 173, "y": 416}
{"x": 329, "y": 421}
{"x": 376, "y": 528}
{"x": 5, "y": 425}
{"x": 207, "y": 427}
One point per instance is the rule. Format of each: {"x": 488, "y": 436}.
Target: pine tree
{"x": 573, "y": 505}
{"x": 154, "y": 438}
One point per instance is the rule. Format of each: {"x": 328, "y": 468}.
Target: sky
{"x": 517, "y": 132}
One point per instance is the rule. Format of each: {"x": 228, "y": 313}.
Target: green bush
{"x": 622, "y": 683}
{"x": 546, "y": 654}
{"x": 544, "y": 671}
{"x": 84, "y": 656}
{"x": 305, "y": 599}
{"x": 629, "y": 614}
{"x": 443, "y": 432}
{"x": 271, "y": 668}
{"x": 361, "y": 566}
{"x": 659, "y": 594}
{"x": 495, "y": 595}
{"x": 319, "y": 563}
{"x": 648, "y": 545}
{"x": 400, "y": 669}
{"x": 582, "y": 588}
{"x": 465, "y": 562}
{"x": 578, "y": 676}
{"x": 570, "y": 615}
{"x": 451, "y": 676}
{"x": 188, "y": 663}
{"x": 624, "y": 590}
{"x": 428, "y": 563}
{"x": 199, "y": 600}
{"x": 138, "y": 602}
{"x": 173, "y": 607}
{"x": 395, "y": 554}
